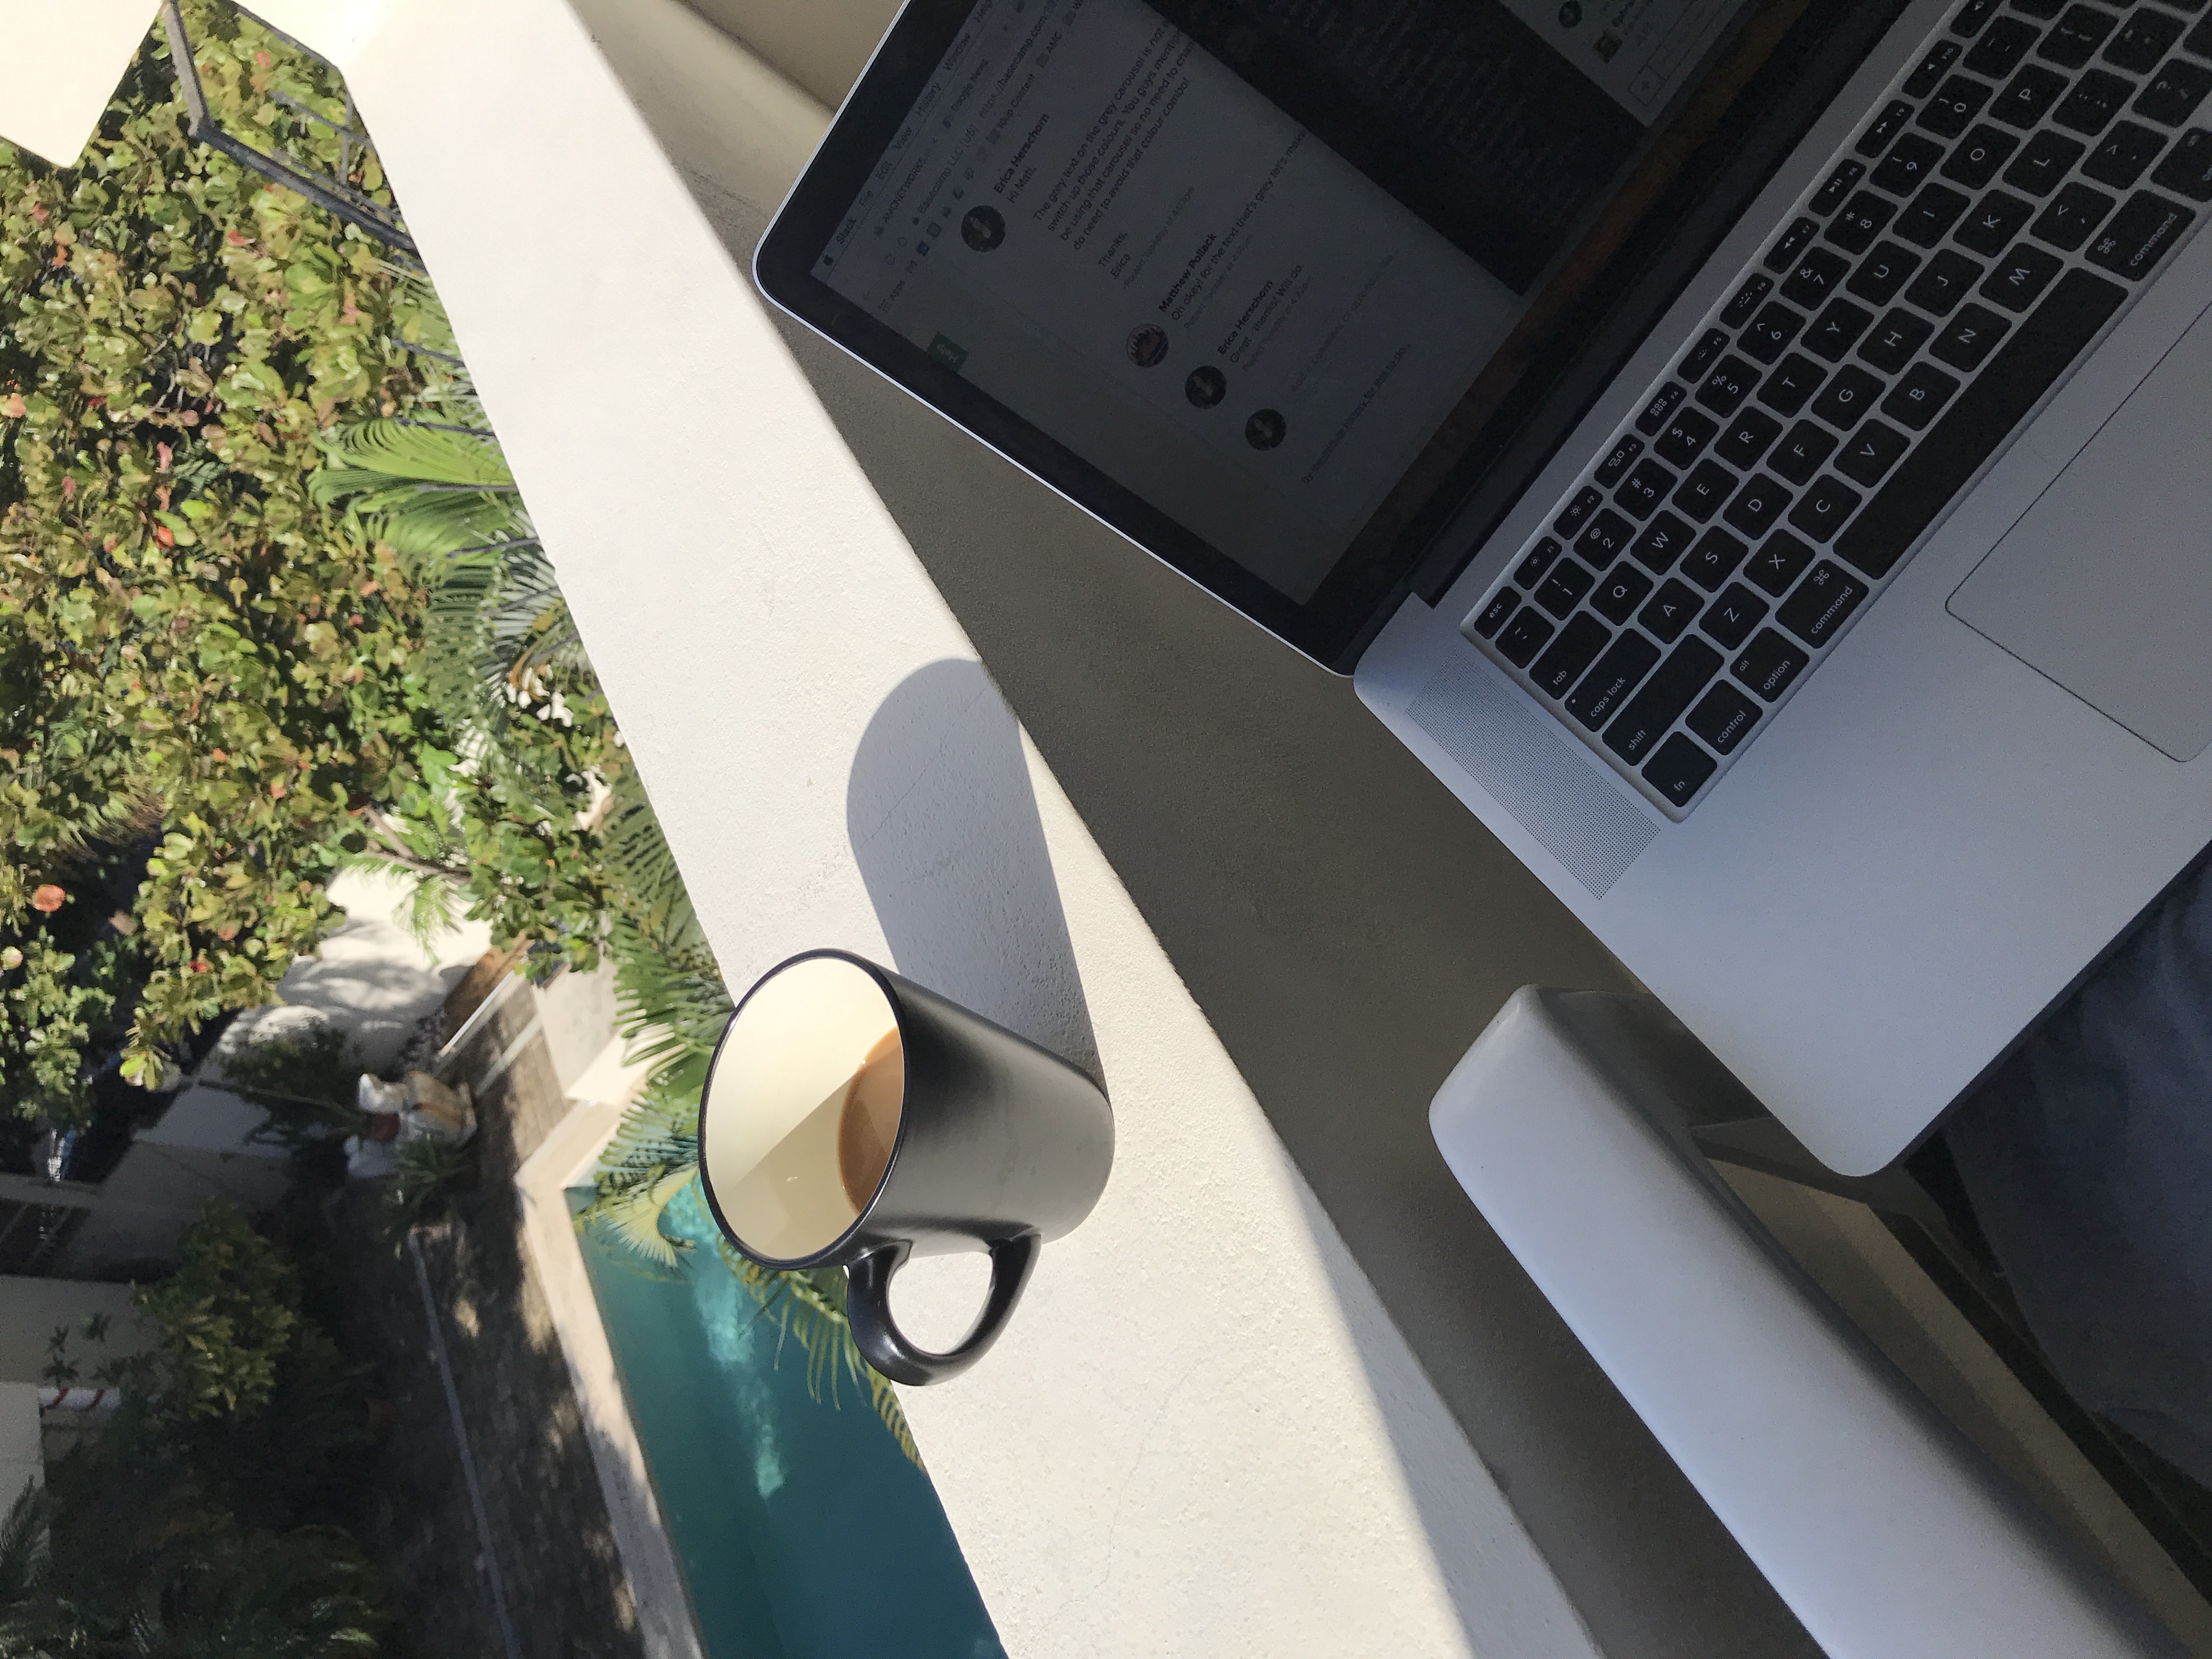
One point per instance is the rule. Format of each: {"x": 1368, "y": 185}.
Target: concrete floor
{"x": 1349, "y": 928}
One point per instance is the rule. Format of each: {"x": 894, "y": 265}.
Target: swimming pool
{"x": 802, "y": 1531}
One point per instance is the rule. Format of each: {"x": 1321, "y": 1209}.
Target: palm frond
{"x": 409, "y": 453}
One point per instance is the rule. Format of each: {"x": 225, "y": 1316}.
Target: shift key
{"x": 1661, "y": 703}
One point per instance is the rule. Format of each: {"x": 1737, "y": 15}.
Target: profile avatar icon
{"x": 1266, "y": 428}
{"x": 1148, "y": 343}
{"x": 982, "y": 228}
{"x": 1206, "y": 386}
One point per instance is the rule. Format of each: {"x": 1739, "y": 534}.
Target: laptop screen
{"x": 1249, "y": 278}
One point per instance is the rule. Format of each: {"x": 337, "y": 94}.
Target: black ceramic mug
{"x": 853, "y": 1119}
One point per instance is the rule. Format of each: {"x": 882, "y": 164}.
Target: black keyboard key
{"x": 1524, "y": 637}
{"x": 1826, "y": 508}
{"x": 1714, "y": 559}
{"x": 1657, "y": 413}
{"x": 1728, "y": 384}
{"x": 1563, "y": 590}
{"x": 1896, "y": 340}
{"x": 1817, "y": 272}
{"x": 1830, "y": 196}
{"x": 2072, "y": 214}
{"x": 1998, "y": 52}
{"x": 2017, "y": 280}
{"x": 1749, "y": 436}
{"x": 1875, "y": 139}
{"x": 1502, "y": 604}
{"x": 1615, "y": 465}
{"x": 2073, "y": 41}
{"x": 2044, "y": 10}
{"x": 1619, "y": 672}
{"x": 2014, "y": 381}
{"x": 1823, "y": 602}
{"x": 1933, "y": 67}
{"x": 1644, "y": 489}
{"x": 1685, "y": 436}
{"x": 1779, "y": 563}
{"x": 2148, "y": 36}
{"x": 1770, "y": 665}
{"x": 2028, "y": 96}
{"x": 1882, "y": 272}
{"x": 1803, "y": 451}
{"x": 1703, "y": 355}
{"x": 2126, "y": 151}
{"x": 1972, "y": 16}
{"x": 2200, "y": 38}
{"x": 1605, "y": 538}
{"x": 1587, "y": 500}
{"x": 1576, "y": 648}
{"x": 2096, "y": 98}
{"x": 1686, "y": 672}
{"x": 1975, "y": 159}
{"x": 2188, "y": 171}
{"x": 1931, "y": 214}
{"x": 1908, "y": 164}
{"x": 1855, "y": 228}
{"x": 1794, "y": 379}
{"x": 1680, "y": 769}
{"x": 1670, "y": 612}
{"x": 1709, "y": 485}
{"x": 1785, "y": 252}
{"x": 1919, "y": 397}
{"x": 1619, "y": 592}
{"x": 1757, "y": 506}
{"x": 2049, "y": 157}
{"x": 2175, "y": 91}
{"x": 1968, "y": 338}
{"x": 1949, "y": 278}
{"x": 1836, "y": 329}
{"x": 1723, "y": 718}
{"x": 1872, "y": 450}
{"x": 1815, "y": 275}
{"x": 1848, "y": 398}
{"x": 1664, "y": 541}
{"x": 1954, "y": 105}
{"x": 1996, "y": 219}
{"x": 1770, "y": 333}
{"x": 1746, "y": 299}
{"x": 1538, "y": 561}
{"x": 1732, "y": 616}
{"x": 2139, "y": 235}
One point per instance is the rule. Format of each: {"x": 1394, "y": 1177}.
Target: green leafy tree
{"x": 186, "y": 634}
{"x": 211, "y": 1514}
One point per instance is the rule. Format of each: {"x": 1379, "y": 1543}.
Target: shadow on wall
{"x": 944, "y": 827}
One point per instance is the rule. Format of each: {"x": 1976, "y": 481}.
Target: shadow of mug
{"x": 945, "y": 828}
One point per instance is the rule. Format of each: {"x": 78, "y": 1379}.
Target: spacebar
{"x": 1953, "y": 451}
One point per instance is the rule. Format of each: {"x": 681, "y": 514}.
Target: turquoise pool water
{"x": 802, "y": 1531}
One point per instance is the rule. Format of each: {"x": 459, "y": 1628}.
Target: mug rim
{"x": 817, "y": 1258}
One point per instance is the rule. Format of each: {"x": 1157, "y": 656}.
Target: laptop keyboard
{"x": 1996, "y": 212}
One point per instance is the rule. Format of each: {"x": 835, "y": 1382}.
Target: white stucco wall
{"x": 1202, "y": 1435}
{"x": 20, "y": 1461}
{"x": 32, "y": 1309}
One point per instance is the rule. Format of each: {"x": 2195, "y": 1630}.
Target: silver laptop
{"x": 1757, "y": 452}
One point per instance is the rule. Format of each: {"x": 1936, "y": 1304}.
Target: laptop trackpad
{"x": 2106, "y": 583}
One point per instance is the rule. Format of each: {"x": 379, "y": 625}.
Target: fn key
{"x": 1680, "y": 769}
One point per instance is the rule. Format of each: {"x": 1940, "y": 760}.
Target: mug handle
{"x": 885, "y": 1346}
